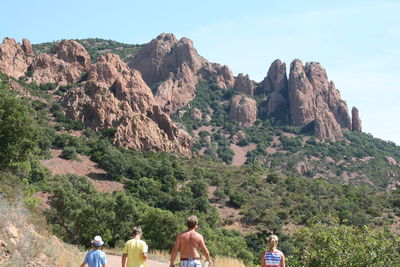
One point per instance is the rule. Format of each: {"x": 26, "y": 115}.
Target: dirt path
{"x": 115, "y": 261}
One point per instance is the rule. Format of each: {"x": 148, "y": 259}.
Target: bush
{"x": 338, "y": 245}
{"x": 69, "y": 152}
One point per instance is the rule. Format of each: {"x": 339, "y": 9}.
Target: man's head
{"x": 136, "y": 231}
{"x": 192, "y": 222}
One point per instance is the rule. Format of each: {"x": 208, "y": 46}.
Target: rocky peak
{"x": 276, "y": 84}
{"x": 13, "y": 60}
{"x": 313, "y": 98}
{"x": 66, "y": 66}
{"x": 27, "y": 47}
{"x": 115, "y": 96}
{"x": 73, "y": 52}
{"x": 173, "y": 69}
{"x": 243, "y": 110}
{"x": 276, "y": 79}
{"x": 244, "y": 84}
{"x": 356, "y": 121}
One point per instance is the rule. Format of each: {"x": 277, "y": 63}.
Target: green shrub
{"x": 69, "y": 153}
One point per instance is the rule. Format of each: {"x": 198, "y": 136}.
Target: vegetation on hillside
{"x": 162, "y": 189}
{"x": 96, "y": 47}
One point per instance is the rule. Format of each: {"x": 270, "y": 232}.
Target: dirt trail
{"x": 115, "y": 261}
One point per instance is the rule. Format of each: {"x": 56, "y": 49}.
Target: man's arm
{"x": 123, "y": 260}
{"x": 83, "y": 264}
{"x": 174, "y": 251}
{"x": 204, "y": 249}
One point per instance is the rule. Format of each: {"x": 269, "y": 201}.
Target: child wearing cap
{"x": 95, "y": 257}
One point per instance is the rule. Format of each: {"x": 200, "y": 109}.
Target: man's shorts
{"x": 190, "y": 263}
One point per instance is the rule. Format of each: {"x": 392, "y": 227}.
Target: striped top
{"x": 272, "y": 259}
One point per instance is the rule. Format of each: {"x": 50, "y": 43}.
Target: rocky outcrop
{"x": 66, "y": 66}
{"x": 301, "y": 168}
{"x": 318, "y": 78}
{"x": 197, "y": 115}
{"x": 27, "y": 47}
{"x": 14, "y": 61}
{"x": 314, "y": 99}
{"x": 356, "y": 121}
{"x": 276, "y": 85}
{"x": 243, "y": 110}
{"x": 244, "y": 84}
{"x": 173, "y": 67}
{"x": 115, "y": 96}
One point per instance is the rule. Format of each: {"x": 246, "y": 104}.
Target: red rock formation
{"x": 243, "y": 110}
{"x": 13, "y": 60}
{"x": 321, "y": 85}
{"x": 313, "y": 98}
{"x": 115, "y": 96}
{"x": 66, "y": 66}
{"x": 174, "y": 67}
{"x": 27, "y": 47}
{"x": 356, "y": 121}
{"x": 244, "y": 84}
{"x": 276, "y": 84}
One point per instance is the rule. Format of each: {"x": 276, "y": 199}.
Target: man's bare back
{"x": 188, "y": 243}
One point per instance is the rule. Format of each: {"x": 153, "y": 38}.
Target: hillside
{"x": 109, "y": 140}
{"x": 95, "y": 48}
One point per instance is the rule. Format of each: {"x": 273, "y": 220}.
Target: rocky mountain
{"x": 106, "y": 94}
{"x": 110, "y": 94}
{"x": 173, "y": 68}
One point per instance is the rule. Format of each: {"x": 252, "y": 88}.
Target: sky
{"x": 357, "y": 42}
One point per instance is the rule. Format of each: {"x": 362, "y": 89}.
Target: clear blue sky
{"x": 358, "y": 42}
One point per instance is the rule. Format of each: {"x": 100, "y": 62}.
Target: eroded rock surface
{"x": 243, "y": 110}
{"x": 173, "y": 68}
{"x": 14, "y": 61}
{"x": 115, "y": 96}
{"x": 314, "y": 99}
{"x": 356, "y": 121}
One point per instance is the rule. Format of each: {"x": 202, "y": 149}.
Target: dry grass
{"x": 25, "y": 242}
{"x": 224, "y": 262}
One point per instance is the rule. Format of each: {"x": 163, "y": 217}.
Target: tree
{"x": 18, "y": 134}
{"x": 331, "y": 244}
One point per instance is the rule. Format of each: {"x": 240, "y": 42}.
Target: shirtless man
{"x": 187, "y": 243}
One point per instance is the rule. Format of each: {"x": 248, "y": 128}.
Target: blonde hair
{"x": 273, "y": 241}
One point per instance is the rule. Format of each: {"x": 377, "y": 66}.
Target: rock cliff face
{"x": 108, "y": 93}
{"x": 115, "y": 96}
{"x": 244, "y": 84}
{"x": 276, "y": 84}
{"x": 173, "y": 67}
{"x": 356, "y": 121}
{"x": 66, "y": 66}
{"x": 243, "y": 110}
{"x": 14, "y": 58}
{"x": 314, "y": 99}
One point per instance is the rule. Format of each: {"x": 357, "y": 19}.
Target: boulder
{"x": 27, "y": 47}
{"x": 243, "y": 110}
{"x": 197, "y": 115}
